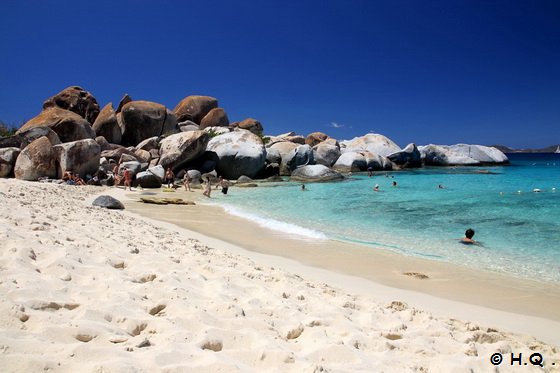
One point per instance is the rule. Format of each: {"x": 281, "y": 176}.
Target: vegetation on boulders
{"x": 7, "y": 129}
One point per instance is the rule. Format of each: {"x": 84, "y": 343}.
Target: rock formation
{"x": 144, "y": 119}
{"x": 238, "y": 153}
{"x": 106, "y": 125}
{"x": 35, "y": 161}
{"x": 77, "y": 100}
{"x": 68, "y": 126}
{"x": 194, "y": 108}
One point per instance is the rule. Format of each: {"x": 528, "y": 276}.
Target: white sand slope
{"x": 86, "y": 289}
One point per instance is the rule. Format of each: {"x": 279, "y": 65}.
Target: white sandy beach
{"x": 93, "y": 290}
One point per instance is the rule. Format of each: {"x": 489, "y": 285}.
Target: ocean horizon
{"x": 514, "y": 210}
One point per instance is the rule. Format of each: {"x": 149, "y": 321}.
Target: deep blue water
{"x": 518, "y": 228}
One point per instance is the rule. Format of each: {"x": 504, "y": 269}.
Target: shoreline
{"x": 446, "y": 291}
{"x": 89, "y": 289}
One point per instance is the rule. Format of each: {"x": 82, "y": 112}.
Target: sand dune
{"x": 88, "y": 289}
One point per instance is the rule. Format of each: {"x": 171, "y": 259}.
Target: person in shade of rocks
{"x": 187, "y": 182}
{"x": 169, "y": 177}
{"x": 127, "y": 179}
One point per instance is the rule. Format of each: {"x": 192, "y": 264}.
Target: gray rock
{"x": 361, "y": 161}
{"x": 315, "y": 173}
{"x": 134, "y": 166}
{"x": 8, "y": 157}
{"x": 80, "y": 156}
{"x": 178, "y": 149}
{"x": 108, "y": 202}
{"x": 300, "y": 156}
{"x": 36, "y": 160}
{"x": 408, "y": 157}
{"x": 149, "y": 144}
{"x": 238, "y": 153}
{"x": 24, "y": 138}
{"x": 147, "y": 179}
{"x": 286, "y": 150}
{"x": 461, "y": 155}
{"x": 373, "y": 143}
{"x": 326, "y": 153}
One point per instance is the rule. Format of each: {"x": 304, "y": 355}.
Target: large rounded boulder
{"x": 35, "y": 161}
{"x": 315, "y": 138}
{"x": 408, "y": 157}
{"x": 373, "y": 143}
{"x": 249, "y": 124}
{"x": 361, "y": 161}
{"x": 326, "y": 152}
{"x": 68, "y": 125}
{"x": 180, "y": 148}
{"x": 461, "y": 155}
{"x": 216, "y": 117}
{"x": 106, "y": 125}
{"x": 8, "y": 157}
{"x": 80, "y": 156}
{"x": 26, "y": 137}
{"x": 238, "y": 153}
{"x": 315, "y": 173}
{"x": 300, "y": 156}
{"x": 77, "y": 100}
{"x": 194, "y": 108}
{"x": 284, "y": 149}
{"x": 144, "y": 119}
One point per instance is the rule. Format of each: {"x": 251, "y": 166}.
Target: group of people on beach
{"x": 187, "y": 180}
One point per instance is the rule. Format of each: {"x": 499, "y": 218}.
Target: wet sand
{"x": 444, "y": 280}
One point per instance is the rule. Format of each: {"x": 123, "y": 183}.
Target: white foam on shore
{"x": 276, "y": 225}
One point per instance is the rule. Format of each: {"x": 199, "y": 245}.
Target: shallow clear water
{"x": 518, "y": 228}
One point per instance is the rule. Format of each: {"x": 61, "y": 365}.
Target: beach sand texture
{"x": 88, "y": 289}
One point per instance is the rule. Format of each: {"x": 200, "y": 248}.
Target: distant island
{"x": 548, "y": 149}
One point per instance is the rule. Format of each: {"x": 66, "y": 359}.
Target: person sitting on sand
{"x": 78, "y": 180}
{"x": 169, "y": 177}
{"x": 127, "y": 178}
{"x": 187, "y": 181}
{"x": 67, "y": 175}
{"x": 207, "y": 188}
{"x": 224, "y": 183}
{"x": 469, "y": 233}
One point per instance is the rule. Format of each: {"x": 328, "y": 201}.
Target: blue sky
{"x": 420, "y": 71}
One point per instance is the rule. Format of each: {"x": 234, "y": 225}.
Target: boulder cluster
{"x": 73, "y": 133}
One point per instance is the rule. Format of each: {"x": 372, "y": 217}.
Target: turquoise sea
{"x": 518, "y": 227}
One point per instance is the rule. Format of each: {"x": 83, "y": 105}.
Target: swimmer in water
{"x": 469, "y": 234}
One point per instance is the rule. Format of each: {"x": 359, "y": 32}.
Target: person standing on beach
{"x": 224, "y": 183}
{"x": 116, "y": 175}
{"x": 187, "y": 181}
{"x": 127, "y": 178}
{"x": 169, "y": 177}
{"x": 207, "y": 188}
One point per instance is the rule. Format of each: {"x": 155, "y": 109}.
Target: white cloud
{"x": 336, "y": 125}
